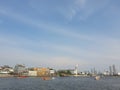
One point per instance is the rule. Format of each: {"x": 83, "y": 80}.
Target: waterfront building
{"x": 118, "y": 73}
{"x": 52, "y": 72}
{"x": 42, "y": 72}
{"x": 106, "y": 73}
{"x": 32, "y": 73}
{"x": 6, "y": 69}
{"x": 20, "y": 70}
{"x": 76, "y": 70}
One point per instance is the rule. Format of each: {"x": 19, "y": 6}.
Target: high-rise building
{"x": 114, "y": 70}
{"x": 110, "y": 70}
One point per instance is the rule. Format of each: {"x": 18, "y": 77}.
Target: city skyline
{"x": 60, "y": 34}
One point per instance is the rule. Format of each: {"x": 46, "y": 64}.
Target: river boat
{"x": 97, "y": 77}
{"x": 46, "y": 78}
{"x": 21, "y": 76}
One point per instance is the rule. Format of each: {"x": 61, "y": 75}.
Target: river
{"x": 60, "y": 83}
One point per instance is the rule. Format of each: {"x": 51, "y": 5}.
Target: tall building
{"x": 114, "y": 70}
{"x": 110, "y": 70}
{"x": 94, "y": 71}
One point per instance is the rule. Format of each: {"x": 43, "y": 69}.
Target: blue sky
{"x": 60, "y": 33}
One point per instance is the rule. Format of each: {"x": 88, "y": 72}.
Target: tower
{"x": 76, "y": 70}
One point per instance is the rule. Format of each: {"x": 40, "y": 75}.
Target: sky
{"x": 60, "y": 33}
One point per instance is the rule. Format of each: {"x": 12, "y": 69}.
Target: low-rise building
{"x": 32, "y": 73}
{"x": 106, "y": 73}
{"x": 6, "y": 69}
{"x": 42, "y": 72}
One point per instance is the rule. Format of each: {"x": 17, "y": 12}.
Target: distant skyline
{"x": 60, "y": 33}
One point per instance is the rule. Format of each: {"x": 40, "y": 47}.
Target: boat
{"x": 97, "y": 77}
{"x": 53, "y": 77}
{"x": 22, "y": 77}
{"x": 46, "y": 78}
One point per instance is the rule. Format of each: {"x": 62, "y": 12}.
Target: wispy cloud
{"x": 50, "y": 28}
{"x": 83, "y": 9}
{"x": 53, "y": 28}
{"x": 12, "y": 51}
{"x": 103, "y": 49}
{"x": 15, "y": 41}
{"x": 87, "y": 8}
{"x": 13, "y": 56}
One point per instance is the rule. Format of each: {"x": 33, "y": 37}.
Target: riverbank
{"x": 5, "y": 75}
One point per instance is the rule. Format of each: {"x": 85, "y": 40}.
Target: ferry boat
{"x": 97, "y": 77}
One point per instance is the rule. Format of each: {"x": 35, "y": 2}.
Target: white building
{"x": 32, "y": 73}
{"x": 76, "y": 70}
{"x": 106, "y": 73}
{"x": 52, "y": 71}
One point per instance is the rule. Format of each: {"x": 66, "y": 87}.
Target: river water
{"x": 60, "y": 83}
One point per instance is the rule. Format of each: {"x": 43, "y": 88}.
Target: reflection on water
{"x": 61, "y": 83}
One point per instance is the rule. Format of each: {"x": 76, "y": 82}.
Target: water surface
{"x": 61, "y": 83}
